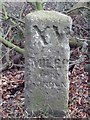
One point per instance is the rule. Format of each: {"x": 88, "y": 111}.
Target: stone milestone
{"x": 46, "y": 63}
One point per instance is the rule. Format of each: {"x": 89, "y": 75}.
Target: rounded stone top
{"x": 49, "y": 15}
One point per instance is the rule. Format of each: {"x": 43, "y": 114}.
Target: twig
{"x": 19, "y": 20}
{"x": 73, "y": 9}
{"x": 16, "y": 24}
{"x": 8, "y": 32}
{"x": 82, "y": 39}
{"x": 18, "y": 65}
{"x": 20, "y": 28}
{"x": 4, "y": 67}
{"x": 22, "y": 11}
{"x": 80, "y": 60}
{"x": 6, "y": 53}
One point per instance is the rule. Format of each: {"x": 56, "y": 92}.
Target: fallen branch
{"x": 77, "y": 6}
{"x": 11, "y": 45}
{"x": 77, "y": 42}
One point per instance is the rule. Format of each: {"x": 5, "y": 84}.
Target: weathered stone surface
{"x": 47, "y": 61}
